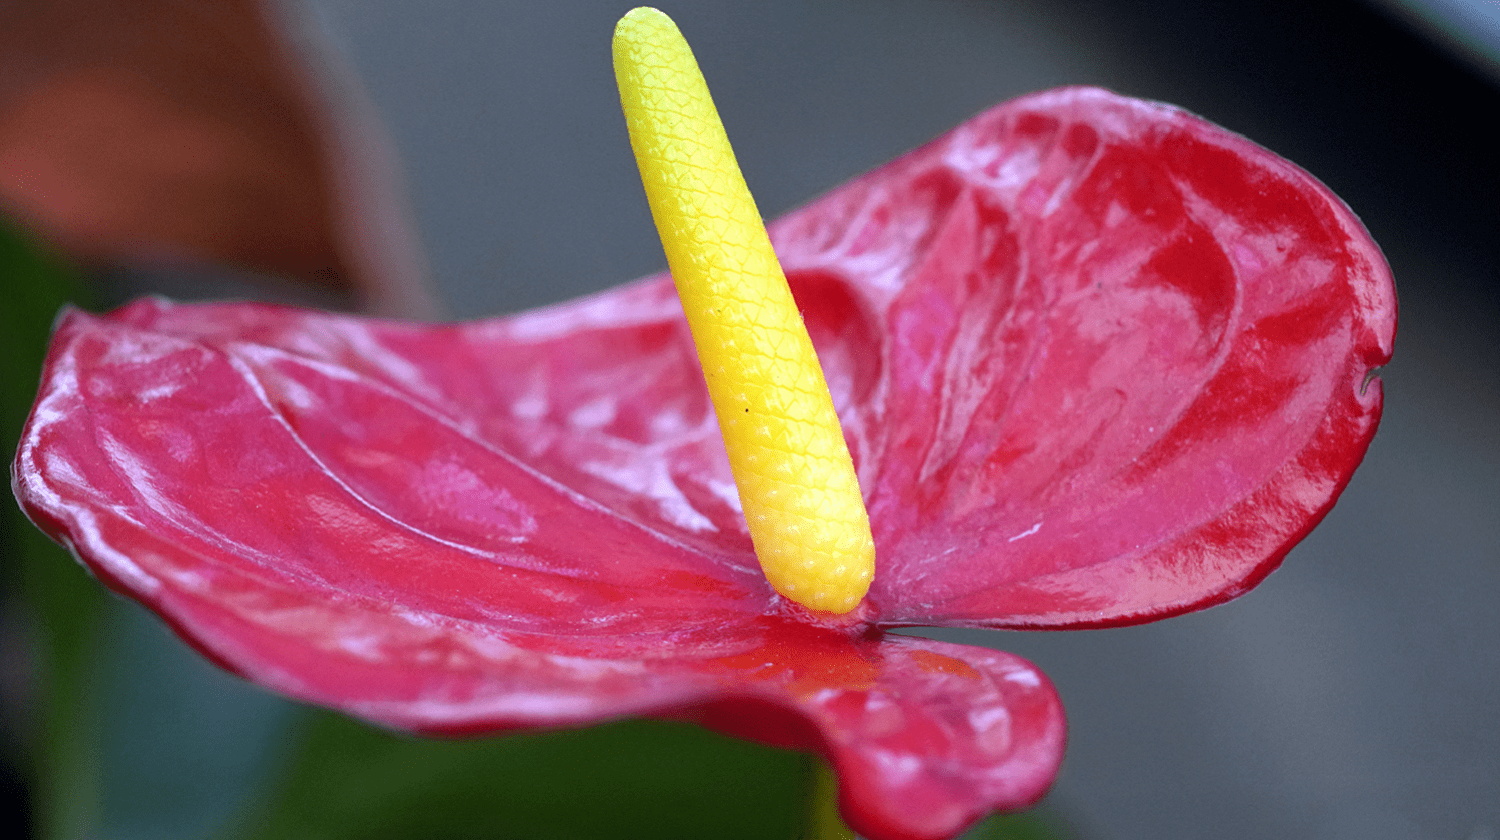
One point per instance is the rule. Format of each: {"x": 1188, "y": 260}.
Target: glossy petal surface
{"x": 1123, "y": 361}
{"x": 1098, "y": 361}
{"x": 304, "y": 505}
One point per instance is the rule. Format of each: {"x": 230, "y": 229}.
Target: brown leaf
{"x": 200, "y": 131}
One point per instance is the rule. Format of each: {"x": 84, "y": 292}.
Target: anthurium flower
{"x": 1098, "y": 362}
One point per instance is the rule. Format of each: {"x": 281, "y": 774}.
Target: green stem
{"x": 823, "y": 820}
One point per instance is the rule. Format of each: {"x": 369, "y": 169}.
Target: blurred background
{"x": 1355, "y": 694}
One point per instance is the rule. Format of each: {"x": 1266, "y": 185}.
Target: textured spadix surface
{"x": 1097, "y": 360}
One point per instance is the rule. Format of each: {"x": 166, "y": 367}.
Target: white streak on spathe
{"x": 897, "y": 768}
{"x": 529, "y": 407}
{"x": 656, "y": 484}
{"x": 1024, "y": 677}
{"x": 1026, "y": 533}
{"x": 158, "y": 392}
{"x": 594, "y": 414}
{"x": 726, "y": 492}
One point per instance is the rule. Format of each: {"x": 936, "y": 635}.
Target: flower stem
{"x": 823, "y": 821}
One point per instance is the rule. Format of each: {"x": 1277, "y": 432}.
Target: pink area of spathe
{"x": 1098, "y": 362}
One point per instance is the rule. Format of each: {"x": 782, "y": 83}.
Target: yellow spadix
{"x": 796, "y": 481}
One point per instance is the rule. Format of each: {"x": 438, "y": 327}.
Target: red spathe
{"x": 1098, "y": 361}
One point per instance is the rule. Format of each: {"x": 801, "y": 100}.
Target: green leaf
{"x": 65, "y": 604}
{"x": 643, "y": 779}
{"x": 646, "y": 779}
{"x": 1037, "y": 824}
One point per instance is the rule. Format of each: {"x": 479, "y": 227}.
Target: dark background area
{"x": 1356, "y": 694}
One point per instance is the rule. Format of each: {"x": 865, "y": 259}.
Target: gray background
{"x": 1356, "y": 694}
